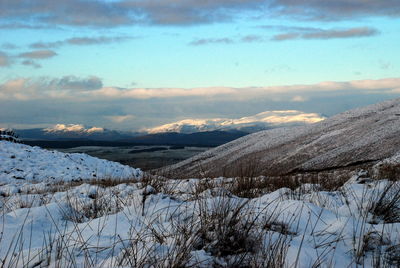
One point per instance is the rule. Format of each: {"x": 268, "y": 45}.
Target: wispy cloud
{"x": 80, "y": 41}
{"x": 385, "y": 65}
{"x": 8, "y": 45}
{"x": 207, "y": 41}
{"x": 315, "y": 33}
{"x": 4, "y": 60}
{"x": 75, "y": 83}
{"x": 22, "y": 25}
{"x": 291, "y": 33}
{"x": 252, "y": 38}
{"x": 38, "y": 54}
{"x": 120, "y": 118}
{"x": 31, "y": 63}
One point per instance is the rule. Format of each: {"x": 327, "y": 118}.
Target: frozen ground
{"x": 130, "y": 219}
{"x": 26, "y": 163}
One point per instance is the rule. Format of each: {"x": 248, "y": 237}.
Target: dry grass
{"x": 386, "y": 206}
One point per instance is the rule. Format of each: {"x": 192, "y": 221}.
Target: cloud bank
{"x": 91, "y": 88}
{"x": 48, "y": 101}
{"x": 97, "y": 13}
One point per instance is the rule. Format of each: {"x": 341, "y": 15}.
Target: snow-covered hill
{"x": 261, "y": 121}
{"x": 357, "y": 136}
{"x": 23, "y": 163}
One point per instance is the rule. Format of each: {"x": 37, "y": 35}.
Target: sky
{"x": 135, "y": 64}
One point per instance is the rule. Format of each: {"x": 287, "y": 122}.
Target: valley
{"x": 143, "y": 156}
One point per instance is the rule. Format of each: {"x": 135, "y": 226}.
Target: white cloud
{"x": 25, "y": 89}
{"x": 30, "y": 89}
{"x": 120, "y": 118}
{"x": 250, "y": 92}
{"x": 299, "y": 99}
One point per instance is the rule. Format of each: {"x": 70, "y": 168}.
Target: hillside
{"x": 360, "y": 136}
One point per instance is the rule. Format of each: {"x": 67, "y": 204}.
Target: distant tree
{"x": 9, "y": 135}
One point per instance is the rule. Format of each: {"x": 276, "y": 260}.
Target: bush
{"x": 9, "y": 135}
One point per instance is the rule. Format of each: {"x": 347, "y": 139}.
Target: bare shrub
{"x": 203, "y": 185}
{"x": 392, "y": 256}
{"x": 386, "y": 207}
{"x": 82, "y": 210}
{"x": 168, "y": 247}
{"x": 110, "y": 182}
{"x": 249, "y": 187}
{"x": 9, "y": 135}
{"x": 390, "y": 171}
{"x": 223, "y": 230}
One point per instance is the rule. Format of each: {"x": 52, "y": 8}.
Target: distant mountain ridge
{"x": 73, "y": 132}
{"x": 260, "y": 121}
{"x": 195, "y": 132}
{"x": 200, "y": 139}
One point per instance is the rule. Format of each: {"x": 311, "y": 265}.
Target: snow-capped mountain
{"x": 358, "y": 136}
{"x": 73, "y": 128}
{"x": 261, "y": 121}
{"x": 221, "y": 129}
{"x": 73, "y": 131}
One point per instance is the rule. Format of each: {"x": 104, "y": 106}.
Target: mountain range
{"x": 249, "y": 124}
{"x": 197, "y": 132}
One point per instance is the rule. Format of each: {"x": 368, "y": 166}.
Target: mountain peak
{"x": 260, "y": 121}
{"x": 73, "y": 128}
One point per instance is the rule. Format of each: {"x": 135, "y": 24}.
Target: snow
{"x": 25, "y": 163}
{"x": 55, "y": 215}
{"x": 317, "y": 223}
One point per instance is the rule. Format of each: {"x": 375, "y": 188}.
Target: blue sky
{"x": 134, "y": 57}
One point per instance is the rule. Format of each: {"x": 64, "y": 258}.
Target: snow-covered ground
{"x": 158, "y": 222}
{"x": 25, "y": 163}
